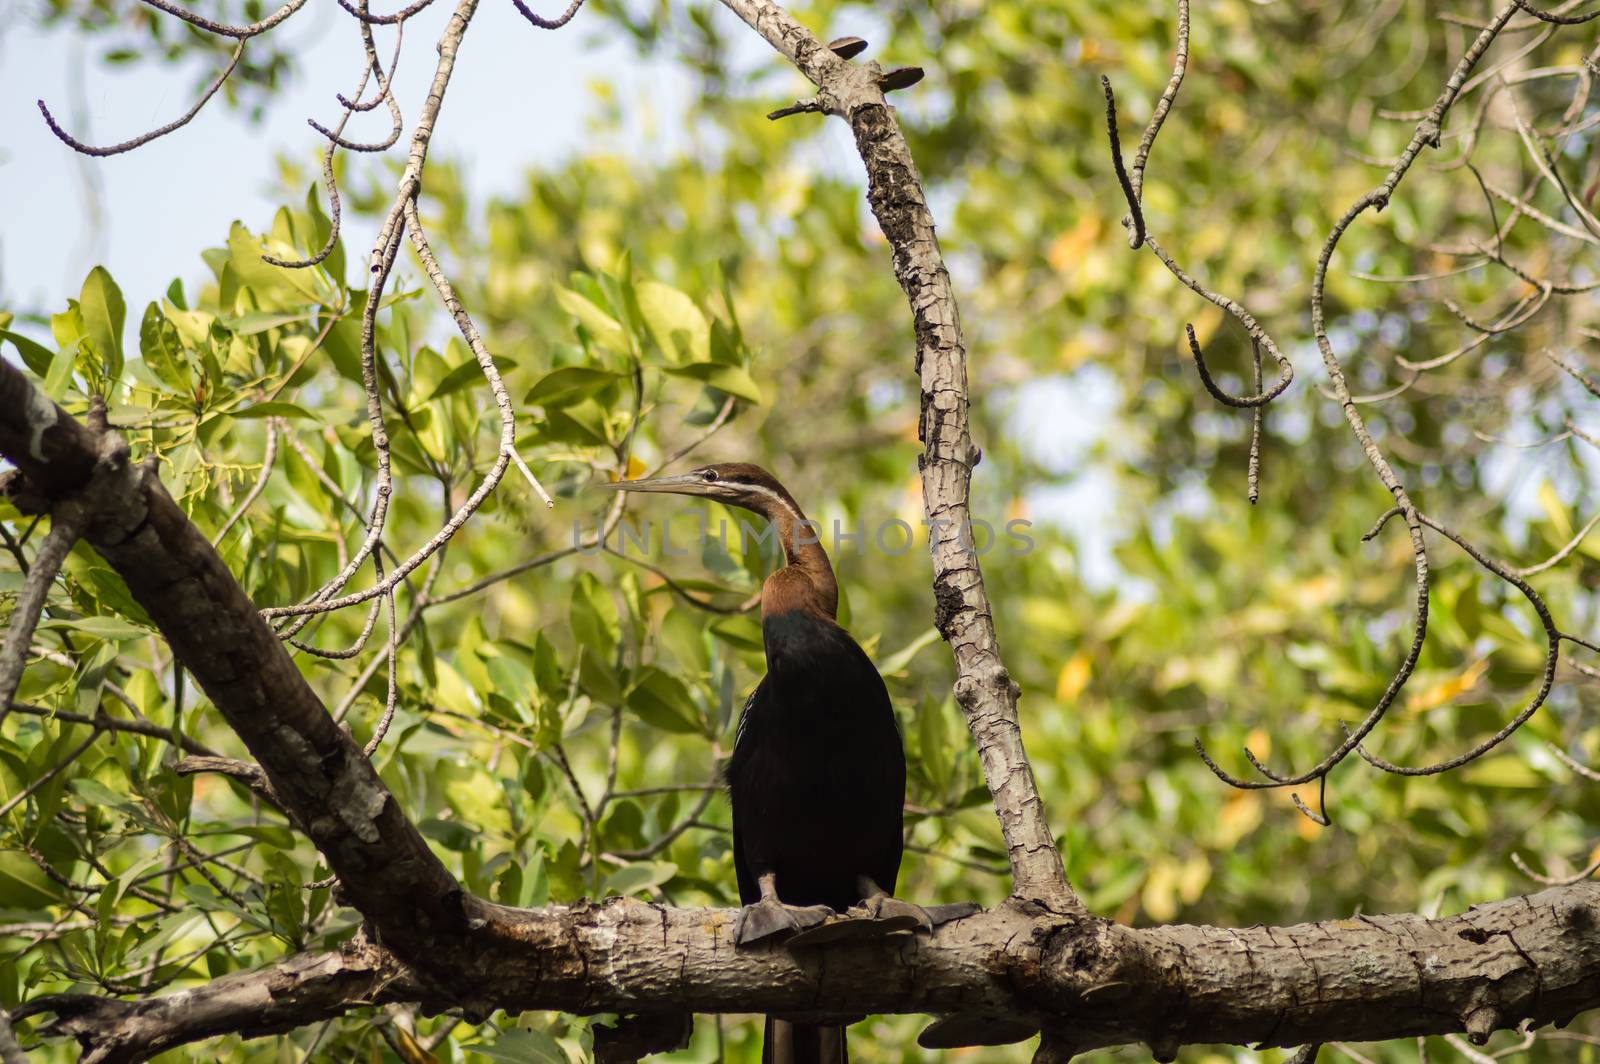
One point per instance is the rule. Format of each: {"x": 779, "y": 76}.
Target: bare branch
{"x": 1560, "y": 20}
{"x": 962, "y": 613}
{"x": 1136, "y": 216}
{"x": 160, "y": 131}
{"x": 222, "y": 29}
{"x": 254, "y": 493}
{"x": 1180, "y": 63}
{"x": 545, "y": 23}
{"x": 117, "y": 724}
{"x": 65, "y": 528}
{"x": 1107, "y": 984}
{"x": 399, "y": 17}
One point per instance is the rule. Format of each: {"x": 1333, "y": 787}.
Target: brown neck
{"x": 806, "y": 580}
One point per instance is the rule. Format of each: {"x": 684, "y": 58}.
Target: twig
{"x": 65, "y": 527}
{"x": 1136, "y": 216}
{"x": 224, "y": 30}
{"x": 256, "y": 488}
{"x": 385, "y": 20}
{"x": 545, "y": 23}
{"x": 1555, "y": 881}
{"x": 160, "y": 131}
{"x": 1179, "y": 64}
{"x": 1426, "y": 134}
{"x": 116, "y": 724}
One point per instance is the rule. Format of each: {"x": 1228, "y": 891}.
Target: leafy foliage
{"x": 565, "y": 698}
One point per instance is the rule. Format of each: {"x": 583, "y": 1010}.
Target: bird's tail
{"x": 797, "y": 1043}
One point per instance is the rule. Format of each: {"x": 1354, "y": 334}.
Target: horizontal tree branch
{"x": 304, "y": 989}
{"x": 1089, "y": 982}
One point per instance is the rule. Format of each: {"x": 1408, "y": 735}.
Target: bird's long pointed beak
{"x": 677, "y": 484}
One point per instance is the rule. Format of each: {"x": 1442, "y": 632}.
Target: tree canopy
{"x": 546, "y": 678}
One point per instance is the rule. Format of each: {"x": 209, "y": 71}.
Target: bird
{"x": 816, "y": 780}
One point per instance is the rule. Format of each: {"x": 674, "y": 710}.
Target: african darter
{"x": 817, "y": 777}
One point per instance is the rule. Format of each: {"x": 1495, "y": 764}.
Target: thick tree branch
{"x": 962, "y": 612}
{"x": 303, "y": 989}
{"x": 1091, "y": 983}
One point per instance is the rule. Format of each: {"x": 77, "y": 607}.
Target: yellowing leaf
{"x": 1067, "y": 249}
{"x": 1159, "y": 898}
{"x": 1316, "y": 592}
{"x": 411, "y": 1051}
{"x": 1205, "y": 323}
{"x": 1193, "y": 877}
{"x": 1240, "y": 815}
{"x": 1509, "y": 771}
{"x": 1448, "y": 690}
{"x": 1074, "y": 678}
{"x": 1555, "y": 510}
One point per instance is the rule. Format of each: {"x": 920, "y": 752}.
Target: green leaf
{"x": 97, "y": 793}
{"x": 112, "y": 628}
{"x": 896, "y": 662}
{"x": 261, "y": 321}
{"x": 568, "y": 384}
{"x": 593, "y": 616}
{"x": 639, "y": 876}
{"x": 320, "y": 228}
{"x": 597, "y": 678}
{"x": 59, "y": 377}
{"x": 468, "y": 373}
{"x": 602, "y": 328}
{"x": 162, "y": 350}
{"x": 662, "y": 701}
{"x": 35, "y": 356}
{"x": 679, "y": 329}
{"x": 104, "y": 314}
{"x": 742, "y": 632}
{"x": 451, "y": 834}
{"x": 275, "y": 408}
{"x": 735, "y": 380}
{"x": 268, "y": 282}
{"x": 518, "y": 1046}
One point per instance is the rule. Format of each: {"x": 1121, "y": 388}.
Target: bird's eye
{"x": 710, "y": 476}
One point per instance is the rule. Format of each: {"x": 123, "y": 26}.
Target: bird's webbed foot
{"x": 887, "y": 914}
{"x": 951, "y": 912}
{"x": 879, "y": 914}
{"x": 769, "y": 916}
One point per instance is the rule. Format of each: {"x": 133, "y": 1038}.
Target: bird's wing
{"x": 744, "y": 714}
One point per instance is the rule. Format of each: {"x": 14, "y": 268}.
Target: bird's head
{"x": 735, "y": 483}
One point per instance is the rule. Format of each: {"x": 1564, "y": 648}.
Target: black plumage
{"x": 817, "y": 776}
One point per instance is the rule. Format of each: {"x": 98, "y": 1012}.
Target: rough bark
{"x": 303, "y": 989}
{"x": 983, "y": 687}
{"x": 1091, "y": 983}
{"x": 1037, "y": 962}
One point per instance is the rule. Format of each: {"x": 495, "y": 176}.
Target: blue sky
{"x": 520, "y": 97}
